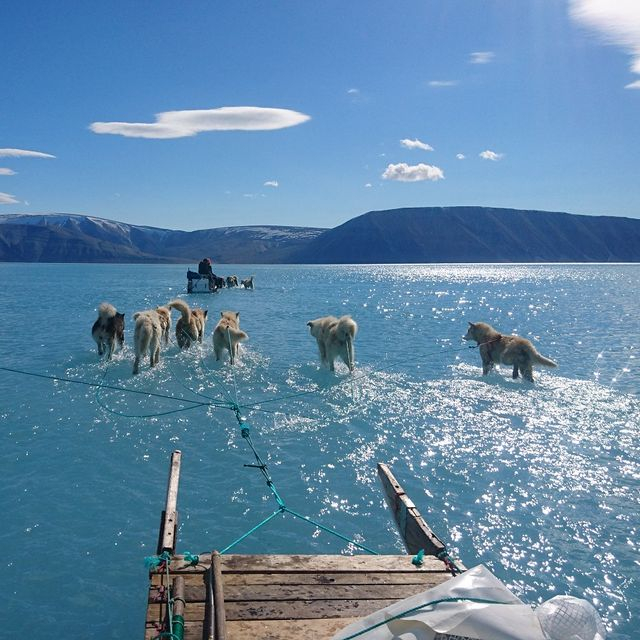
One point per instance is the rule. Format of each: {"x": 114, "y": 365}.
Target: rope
{"x": 421, "y": 606}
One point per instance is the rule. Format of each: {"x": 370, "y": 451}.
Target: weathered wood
{"x": 318, "y": 629}
{"x": 322, "y": 578}
{"x": 218, "y": 596}
{"x": 169, "y": 522}
{"x": 415, "y": 532}
{"x": 304, "y": 563}
{"x": 254, "y": 593}
{"x": 179, "y": 599}
{"x": 283, "y": 610}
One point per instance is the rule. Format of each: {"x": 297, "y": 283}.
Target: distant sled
{"x": 198, "y": 283}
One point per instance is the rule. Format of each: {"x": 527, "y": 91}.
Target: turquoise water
{"x": 540, "y": 483}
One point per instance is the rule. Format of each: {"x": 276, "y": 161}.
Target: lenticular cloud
{"x": 180, "y": 124}
{"x": 402, "y": 172}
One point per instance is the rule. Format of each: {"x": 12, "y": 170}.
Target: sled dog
{"x": 147, "y": 337}
{"x": 108, "y": 329}
{"x": 190, "y": 325}
{"x": 335, "y": 339}
{"x": 232, "y": 281}
{"x": 227, "y": 335}
{"x": 164, "y": 313}
{"x": 247, "y": 283}
{"x": 511, "y": 350}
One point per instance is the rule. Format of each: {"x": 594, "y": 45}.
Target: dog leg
{"x": 515, "y": 371}
{"x": 136, "y": 365}
{"x": 527, "y": 373}
{"x": 100, "y": 348}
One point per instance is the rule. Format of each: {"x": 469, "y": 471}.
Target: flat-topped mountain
{"x": 415, "y": 235}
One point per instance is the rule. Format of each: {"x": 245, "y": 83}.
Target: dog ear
{"x": 471, "y": 324}
{"x": 237, "y": 315}
{"x": 222, "y": 314}
{"x": 310, "y": 323}
{"x": 205, "y": 312}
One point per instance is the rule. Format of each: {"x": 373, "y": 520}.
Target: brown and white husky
{"x": 510, "y": 350}
{"x": 190, "y": 325}
{"x": 227, "y": 335}
{"x": 147, "y": 337}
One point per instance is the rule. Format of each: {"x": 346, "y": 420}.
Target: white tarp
{"x": 459, "y": 620}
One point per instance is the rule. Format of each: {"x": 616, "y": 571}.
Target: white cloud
{"x": 271, "y": 183}
{"x": 481, "y": 57}
{"x": 416, "y": 144}
{"x": 353, "y": 91}
{"x": 4, "y": 171}
{"x": 460, "y": 156}
{"x": 181, "y": 124}
{"x": 443, "y": 83}
{"x": 633, "y": 85}
{"x": 616, "y": 21}
{"x": 23, "y": 153}
{"x": 491, "y": 155}
{"x": 402, "y": 172}
{"x": 368, "y": 185}
{"x": 7, "y": 198}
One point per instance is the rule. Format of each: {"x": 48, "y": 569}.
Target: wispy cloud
{"x": 271, "y": 183}
{"x": 442, "y": 83}
{"x": 416, "y": 144}
{"x": 4, "y": 171}
{"x": 460, "y": 156}
{"x": 402, "y": 172}
{"x": 181, "y": 124}
{"x": 7, "y": 198}
{"x": 353, "y": 91}
{"x": 23, "y": 153}
{"x": 491, "y": 155}
{"x": 616, "y": 23}
{"x": 481, "y": 57}
{"x": 368, "y": 185}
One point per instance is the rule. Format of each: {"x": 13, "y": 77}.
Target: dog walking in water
{"x": 335, "y": 339}
{"x": 190, "y": 325}
{"x": 108, "y": 329}
{"x": 227, "y": 335}
{"x": 511, "y": 350}
{"x": 147, "y": 337}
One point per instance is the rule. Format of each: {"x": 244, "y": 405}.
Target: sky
{"x": 201, "y": 114}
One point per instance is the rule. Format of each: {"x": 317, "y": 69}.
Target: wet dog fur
{"x": 108, "y": 330}
{"x": 247, "y": 283}
{"x": 510, "y": 350}
{"x": 147, "y": 337}
{"x": 335, "y": 339}
{"x": 227, "y": 335}
{"x": 164, "y": 313}
{"x": 190, "y": 325}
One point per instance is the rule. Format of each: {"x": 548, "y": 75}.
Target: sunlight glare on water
{"x": 539, "y": 482}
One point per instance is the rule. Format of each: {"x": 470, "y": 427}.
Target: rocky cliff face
{"x": 430, "y": 234}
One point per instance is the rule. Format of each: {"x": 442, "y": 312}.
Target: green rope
{"x": 421, "y": 606}
{"x": 248, "y": 533}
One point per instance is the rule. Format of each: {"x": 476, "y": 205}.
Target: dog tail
{"x": 238, "y": 334}
{"x": 183, "y": 308}
{"x": 545, "y": 362}
{"x": 106, "y": 311}
{"x": 346, "y": 328}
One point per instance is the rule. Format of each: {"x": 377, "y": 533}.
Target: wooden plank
{"x": 304, "y": 563}
{"x": 319, "y": 629}
{"x": 355, "y": 577}
{"x": 254, "y": 593}
{"x": 169, "y": 522}
{"x": 218, "y": 596}
{"x": 415, "y": 532}
{"x": 282, "y": 610}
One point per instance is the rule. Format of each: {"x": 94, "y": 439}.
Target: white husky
{"x": 227, "y": 335}
{"x": 335, "y": 339}
{"x": 146, "y": 337}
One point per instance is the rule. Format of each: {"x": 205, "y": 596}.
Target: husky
{"x": 227, "y": 335}
{"x": 232, "y": 281}
{"x": 108, "y": 329}
{"x": 512, "y": 350}
{"x": 147, "y": 337}
{"x": 247, "y": 283}
{"x": 335, "y": 339}
{"x": 164, "y": 313}
{"x": 190, "y": 325}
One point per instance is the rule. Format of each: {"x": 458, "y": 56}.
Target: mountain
{"x": 475, "y": 234}
{"x": 61, "y": 237}
{"x": 427, "y": 234}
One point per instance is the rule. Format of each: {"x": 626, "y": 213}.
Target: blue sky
{"x": 190, "y": 115}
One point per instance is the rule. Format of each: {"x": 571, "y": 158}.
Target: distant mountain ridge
{"x": 411, "y": 235}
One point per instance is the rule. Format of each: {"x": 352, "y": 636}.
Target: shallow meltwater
{"x": 540, "y": 482}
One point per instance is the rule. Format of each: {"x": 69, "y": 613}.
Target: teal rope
{"x": 421, "y": 606}
{"x": 248, "y": 533}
